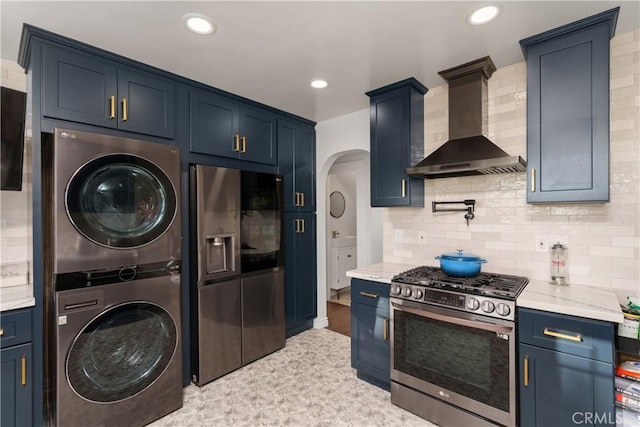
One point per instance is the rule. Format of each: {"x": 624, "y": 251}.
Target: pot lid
{"x": 459, "y": 256}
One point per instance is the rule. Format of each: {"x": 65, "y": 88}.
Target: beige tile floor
{"x": 308, "y": 383}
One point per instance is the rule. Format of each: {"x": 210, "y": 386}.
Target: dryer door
{"x": 120, "y": 201}
{"x": 121, "y": 352}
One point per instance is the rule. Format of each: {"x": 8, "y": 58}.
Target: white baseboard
{"x": 320, "y": 322}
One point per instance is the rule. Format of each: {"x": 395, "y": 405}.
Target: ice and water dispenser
{"x": 220, "y": 253}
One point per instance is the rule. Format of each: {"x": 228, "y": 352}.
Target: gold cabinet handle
{"x": 385, "y": 326}
{"x": 236, "y": 138}
{"x": 526, "y": 371}
{"x": 24, "y": 370}
{"x": 124, "y": 109}
{"x": 1, "y": 332}
{"x": 297, "y": 202}
{"x": 301, "y": 199}
{"x": 533, "y": 180}
{"x": 297, "y": 225}
{"x": 404, "y": 188}
{"x": 112, "y": 107}
{"x": 551, "y": 333}
{"x": 369, "y": 294}
{"x": 244, "y": 144}
{"x": 302, "y": 221}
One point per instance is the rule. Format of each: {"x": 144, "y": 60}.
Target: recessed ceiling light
{"x": 199, "y": 24}
{"x": 319, "y": 84}
{"x": 484, "y": 14}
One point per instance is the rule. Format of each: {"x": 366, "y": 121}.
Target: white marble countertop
{"x": 14, "y": 297}
{"x": 382, "y": 272}
{"x": 575, "y": 300}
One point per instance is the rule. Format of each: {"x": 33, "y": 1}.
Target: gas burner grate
{"x": 489, "y": 284}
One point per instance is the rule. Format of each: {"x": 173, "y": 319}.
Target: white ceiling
{"x": 269, "y": 51}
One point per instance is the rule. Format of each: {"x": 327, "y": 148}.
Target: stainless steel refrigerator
{"x": 238, "y": 297}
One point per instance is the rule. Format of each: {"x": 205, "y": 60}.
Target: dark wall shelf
{"x": 628, "y": 345}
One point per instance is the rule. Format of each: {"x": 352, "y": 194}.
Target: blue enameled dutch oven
{"x": 457, "y": 264}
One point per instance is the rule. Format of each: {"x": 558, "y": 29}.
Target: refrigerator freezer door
{"x": 219, "y": 330}
{"x": 262, "y": 315}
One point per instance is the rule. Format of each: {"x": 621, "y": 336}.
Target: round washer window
{"x": 121, "y": 201}
{"x": 121, "y": 352}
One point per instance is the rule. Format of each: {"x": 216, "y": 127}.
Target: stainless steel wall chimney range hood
{"x": 468, "y": 151}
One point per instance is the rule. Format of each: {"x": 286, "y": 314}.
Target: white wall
{"x": 603, "y": 238}
{"x": 16, "y": 206}
{"x": 345, "y": 135}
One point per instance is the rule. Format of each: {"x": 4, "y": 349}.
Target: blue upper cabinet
{"x": 214, "y": 121}
{"x": 568, "y": 111}
{"x": 258, "y": 135}
{"x": 296, "y": 162}
{"x": 85, "y": 88}
{"x": 222, "y": 127}
{"x": 397, "y": 142}
{"x": 145, "y": 103}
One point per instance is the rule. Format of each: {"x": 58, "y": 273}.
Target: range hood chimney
{"x": 468, "y": 151}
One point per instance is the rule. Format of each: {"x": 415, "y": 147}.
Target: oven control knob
{"x": 417, "y": 293}
{"x": 473, "y": 304}
{"x": 488, "y": 307}
{"x": 396, "y": 289}
{"x": 406, "y": 292}
{"x": 503, "y": 309}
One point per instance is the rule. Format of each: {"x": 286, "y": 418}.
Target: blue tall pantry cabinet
{"x": 296, "y": 163}
{"x": 300, "y": 271}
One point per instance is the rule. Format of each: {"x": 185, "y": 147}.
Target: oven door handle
{"x": 477, "y": 324}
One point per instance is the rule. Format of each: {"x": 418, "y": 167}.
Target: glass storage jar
{"x": 559, "y": 265}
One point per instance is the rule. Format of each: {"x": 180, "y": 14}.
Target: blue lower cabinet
{"x": 16, "y": 376}
{"x": 566, "y": 370}
{"x": 564, "y": 390}
{"x": 370, "y": 332}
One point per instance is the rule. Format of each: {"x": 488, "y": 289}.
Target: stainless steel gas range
{"x": 453, "y": 346}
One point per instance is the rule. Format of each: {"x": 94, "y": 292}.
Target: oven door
{"x": 460, "y": 358}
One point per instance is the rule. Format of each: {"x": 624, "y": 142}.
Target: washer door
{"x": 120, "y": 201}
{"x": 121, "y": 352}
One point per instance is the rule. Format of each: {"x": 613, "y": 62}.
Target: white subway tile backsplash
{"x": 611, "y": 252}
{"x": 626, "y": 241}
{"x": 603, "y": 238}
{"x": 625, "y": 48}
{"x": 15, "y": 206}
{"x": 622, "y": 82}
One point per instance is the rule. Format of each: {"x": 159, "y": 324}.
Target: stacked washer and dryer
{"x": 116, "y": 266}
